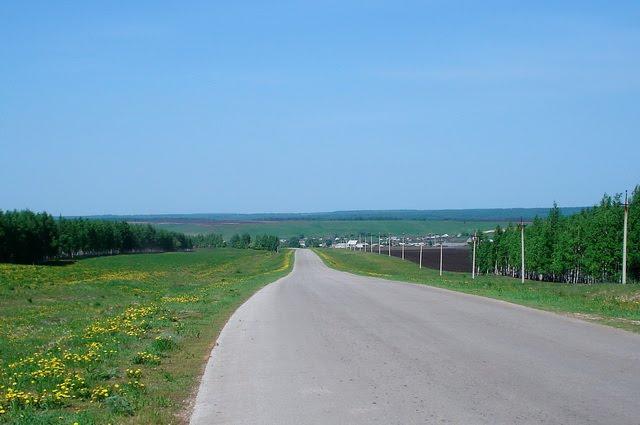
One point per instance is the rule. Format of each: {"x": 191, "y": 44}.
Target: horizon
{"x": 180, "y": 214}
{"x": 298, "y": 212}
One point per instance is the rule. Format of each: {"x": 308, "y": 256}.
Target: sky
{"x": 297, "y": 106}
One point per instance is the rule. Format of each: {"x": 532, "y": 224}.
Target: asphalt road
{"x": 325, "y": 347}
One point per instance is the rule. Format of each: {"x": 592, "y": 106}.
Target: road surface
{"x": 326, "y": 347}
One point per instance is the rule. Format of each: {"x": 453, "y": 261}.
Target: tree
{"x": 240, "y": 241}
{"x": 293, "y": 242}
{"x": 210, "y": 240}
{"x": 245, "y": 240}
{"x": 266, "y": 242}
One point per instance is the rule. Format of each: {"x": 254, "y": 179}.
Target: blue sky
{"x": 168, "y": 107}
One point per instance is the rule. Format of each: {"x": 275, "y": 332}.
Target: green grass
{"x": 613, "y": 304}
{"x": 119, "y": 339}
{"x": 321, "y": 228}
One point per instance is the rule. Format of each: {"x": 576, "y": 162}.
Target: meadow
{"x": 608, "y": 303}
{"x": 120, "y": 339}
{"x": 328, "y": 228}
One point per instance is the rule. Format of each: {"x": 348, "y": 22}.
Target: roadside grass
{"x": 612, "y": 304}
{"x": 122, "y": 339}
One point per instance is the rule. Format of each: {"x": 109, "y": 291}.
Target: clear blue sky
{"x": 168, "y": 107}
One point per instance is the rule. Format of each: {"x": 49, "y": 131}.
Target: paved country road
{"x": 326, "y": 347}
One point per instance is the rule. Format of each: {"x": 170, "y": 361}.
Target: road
{"x": 326, "y": 347}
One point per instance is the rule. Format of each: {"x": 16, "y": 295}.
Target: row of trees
{"x": 266, "y": 242}
{"x": 580, "y": 248}
{"x": 244, "y": 241}
{"x": 28, "y": 237}
{"x": 240, "y": 241}
{"x": 263, "y": 242}
{"x": 209, "y": 240}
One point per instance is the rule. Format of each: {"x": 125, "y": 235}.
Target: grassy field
{"x": 119, "y": 339}
{"x": 320, "y": 228}
{"x": 612, "y": 304}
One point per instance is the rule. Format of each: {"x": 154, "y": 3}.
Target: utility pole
{"x": 379, "y": 247}
{"x": 420, "y": 255}
{"x": 403, "y": 246}
{"x": 389, "y": 244}
{"x": 473, "y": 270}
{"x": 440, "y": 257}
{"x": 522, "y": 248}
{"x": 371, "y": 246}
{"x": 624, "y": 238}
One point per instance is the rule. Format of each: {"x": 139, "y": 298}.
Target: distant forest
{"x": 580, "y": 248}
{"x": 493, "y": 214}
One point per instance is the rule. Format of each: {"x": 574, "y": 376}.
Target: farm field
{"x": 612, "y": 304}
{"x": 453, "y": 259}
{"x": 119, "y": 339}
{"x": 328, "y": 228}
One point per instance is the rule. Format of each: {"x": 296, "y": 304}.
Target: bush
{"x": 119, "y": 405}
{"x": 163, "y": 343}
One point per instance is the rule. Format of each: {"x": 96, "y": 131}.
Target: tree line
{"x": 244, "y": 241}
{"x": 581, "y": 248}
{"x": 209, "y": 240}
{"x": 28, "y": 237}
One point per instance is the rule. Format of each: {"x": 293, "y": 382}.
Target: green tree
{"x": 266, "y": 242}
{"x": 293, "y": 242}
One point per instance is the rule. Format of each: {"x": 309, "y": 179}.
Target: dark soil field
{"x": 453, "y": 259}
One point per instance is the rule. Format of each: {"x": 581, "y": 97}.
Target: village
{"x": 370, "y": 242}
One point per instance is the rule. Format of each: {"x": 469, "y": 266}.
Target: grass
{"x": 119, "y": 339}
{"x": 322, "y": 228}
{"x": 613, "y": 304}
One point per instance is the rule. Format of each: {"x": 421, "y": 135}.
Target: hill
{"x": 478, "y": 214}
